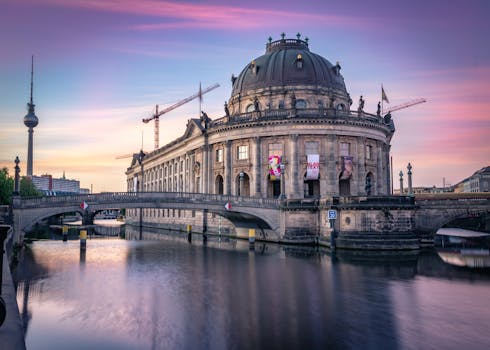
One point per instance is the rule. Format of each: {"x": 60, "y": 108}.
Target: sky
{"x": 100, "y": 66}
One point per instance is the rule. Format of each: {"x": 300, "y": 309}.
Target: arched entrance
{"x": 273, "y": 188}
{"x": 344, "y": 186}
{"x": 242, "y": 184}
{"x": 369, "y": 184}
{"x": 311, "y": 188}
{"x": 218, "y": 185}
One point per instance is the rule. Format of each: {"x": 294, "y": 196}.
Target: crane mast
{"x": 157, "y": 114}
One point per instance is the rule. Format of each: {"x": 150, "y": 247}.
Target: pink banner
{"x": 313, "y": 167}
{"x": 346, "y": 168}
{"x": 274, "y": 167}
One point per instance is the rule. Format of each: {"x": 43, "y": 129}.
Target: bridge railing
{"x": 125, "y": 197}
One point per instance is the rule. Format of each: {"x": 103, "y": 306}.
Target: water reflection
{"x": 131, "y": 294}
{"x": 463, "y": 247}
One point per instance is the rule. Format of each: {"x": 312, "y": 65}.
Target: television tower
{"x": 31, "y": 121}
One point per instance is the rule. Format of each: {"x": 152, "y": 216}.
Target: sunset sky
{"x": 102, "y": 65}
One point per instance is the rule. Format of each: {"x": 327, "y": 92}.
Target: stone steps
{"x": 376, "y": 241}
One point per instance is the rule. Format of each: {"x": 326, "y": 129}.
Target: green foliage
{"x": 27, "y": 188}
{"x": 6, "y": 187}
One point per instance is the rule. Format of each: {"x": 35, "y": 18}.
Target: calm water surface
{"x": 170, "y": 294}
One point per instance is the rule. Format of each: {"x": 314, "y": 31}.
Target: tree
{"x": 6, "y": 187}
{"x": 27, "y": 188}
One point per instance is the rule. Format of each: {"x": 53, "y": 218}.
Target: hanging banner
{"x": 274, "y": 168}
{"x": 346, "y": 168}
{"x": 313, "y": 167}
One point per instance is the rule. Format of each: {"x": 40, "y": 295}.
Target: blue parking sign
{"x": 332, "y": 214}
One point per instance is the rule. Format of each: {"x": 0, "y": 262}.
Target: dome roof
{"x": 288, "y": 62}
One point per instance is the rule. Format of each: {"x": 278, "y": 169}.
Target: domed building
{"x": 288, "y": 131}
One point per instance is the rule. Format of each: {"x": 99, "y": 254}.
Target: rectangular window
{"x": 311, "y": 147}
{"x": 344, "y": 149}
{"x": 369, "y": 152}
{"x": 242, "y": 152}
{"x": 219, "y": 155}
{"x": 275, "y": 149}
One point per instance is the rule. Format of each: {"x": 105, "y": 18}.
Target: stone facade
{"x": 289, "y": 103}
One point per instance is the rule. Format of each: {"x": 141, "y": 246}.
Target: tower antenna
{"x": 32, "y": 74}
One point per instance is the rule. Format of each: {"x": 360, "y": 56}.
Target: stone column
{"x": 361, "y": 161}
{"x": 379, "y": 167}
{"x": 228, "y": 167}
{"x": 388, "y": 170}
{"x": 204, "y": 167}
{"x": 331, "y": 166}
{"x": 292, "y": 168}
{"x": 257, "y": 167}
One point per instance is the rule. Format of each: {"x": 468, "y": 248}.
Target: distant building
{"x": 425, "y": 189}
{"x": 478, "y": 182}
{"x": 52, "y": 186}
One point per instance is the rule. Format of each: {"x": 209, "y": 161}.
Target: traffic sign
{"x": 332, "y": 214}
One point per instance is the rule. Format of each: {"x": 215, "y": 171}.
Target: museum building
{"x": 287, "y": 131}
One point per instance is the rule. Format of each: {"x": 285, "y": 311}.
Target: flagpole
{"x": 382, "y": 105}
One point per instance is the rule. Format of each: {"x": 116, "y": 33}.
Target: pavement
{"x": 11, "y": 332}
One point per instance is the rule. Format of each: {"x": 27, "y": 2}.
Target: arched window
{"x": 250, "y": 108}
{"x": 341, "y": 107}
{"x": 300, "y": 104}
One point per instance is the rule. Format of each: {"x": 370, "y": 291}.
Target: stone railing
{"x": 144, "y": 197}
{"x": 280, "y": 114}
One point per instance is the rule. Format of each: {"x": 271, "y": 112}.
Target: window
{"x": 369, "y": 152}
{"x": 181, "y": 165}
{"x": 219, "y": 155}
{"x": 250, "y": 108}
{"x": 242, "y": 152}
{"x": 275, "y": 149}
{"x": 299, "y": 61}
{"x": 344, "y": 148}
{"x": 300, "y": 104}
{"x": 311, "y": 147}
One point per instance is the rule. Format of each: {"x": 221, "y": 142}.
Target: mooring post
{"x": 251, "y": 236}
{"x": 83, "y": 239}
{"x": 64, "y": 230}
{"x": 189, "y": 233}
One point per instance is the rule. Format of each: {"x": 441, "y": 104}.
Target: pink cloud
{"x": 191, "y": 15}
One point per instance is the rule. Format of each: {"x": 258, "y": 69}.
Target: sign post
{"x": 332, "y": 216}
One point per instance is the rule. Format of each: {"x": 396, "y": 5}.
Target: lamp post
{"x": 409, "y": 173}
{"x": 240, "y": 187}
{"x": 17, "y": 177}
{"x": 283, "y": 182}
{"x": 401, "y": 182}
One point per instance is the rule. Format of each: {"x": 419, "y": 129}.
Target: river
{"x": 167, "y": 293}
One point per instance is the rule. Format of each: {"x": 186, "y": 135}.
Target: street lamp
{"x": 240, "y": 188}
{"x": 283, "y": 182}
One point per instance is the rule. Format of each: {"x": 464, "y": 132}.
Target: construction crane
{"x": 405, "y": 105}
{"x": 157, "y": 114}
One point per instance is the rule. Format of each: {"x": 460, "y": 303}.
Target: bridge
{"x": 282, "y": 219}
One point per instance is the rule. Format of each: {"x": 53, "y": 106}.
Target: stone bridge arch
{"x": 264, "y": 212}
{"x": 432, "y": 215}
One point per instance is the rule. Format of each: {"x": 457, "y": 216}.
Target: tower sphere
{"x": 30, "y": 120}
